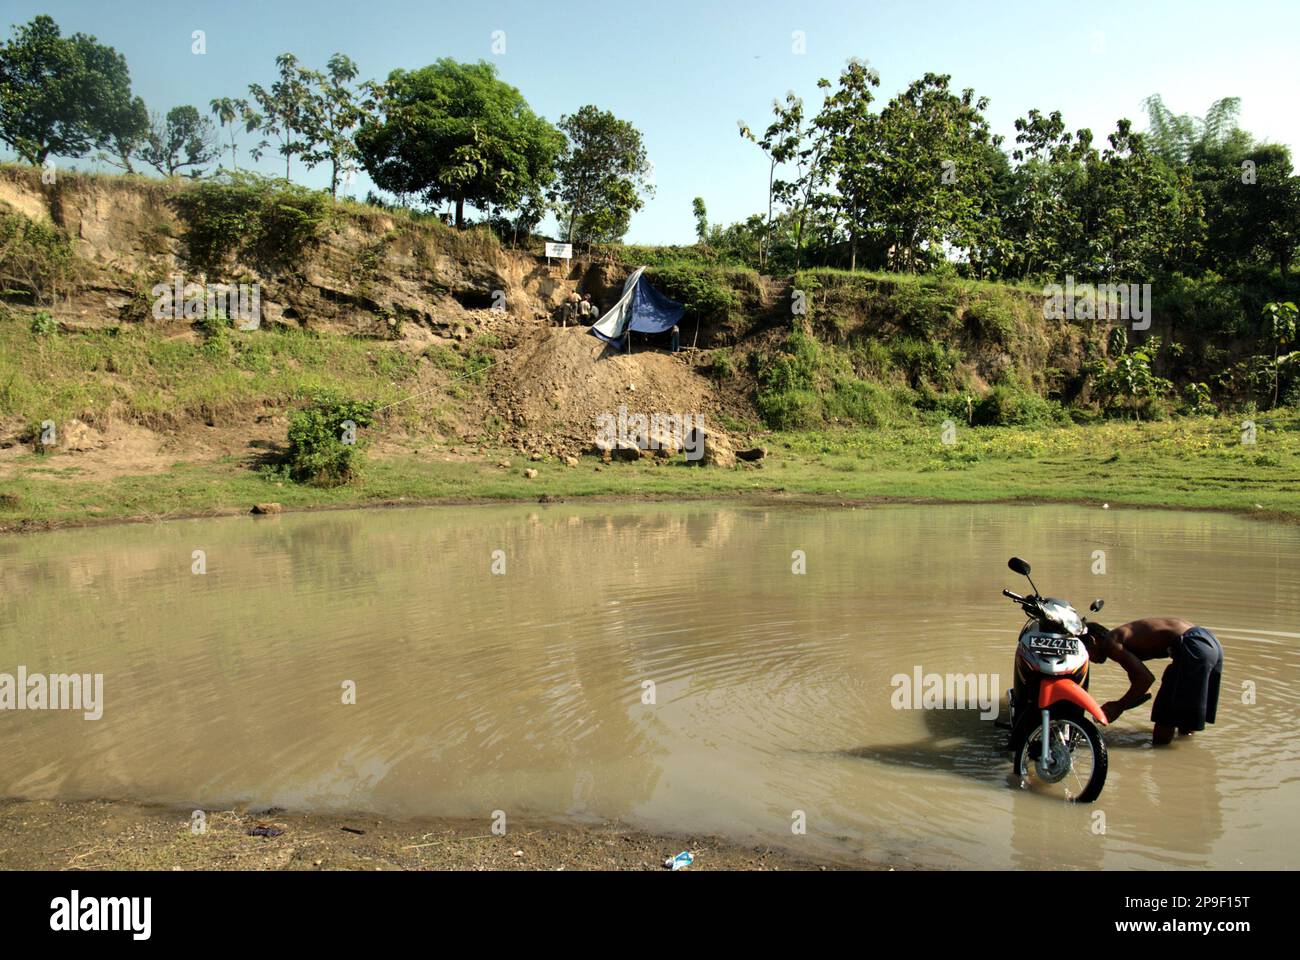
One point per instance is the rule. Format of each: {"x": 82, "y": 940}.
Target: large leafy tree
{"x": 602, "y": 174}
{"x": 183, "y": 138}
{"x": 929, "y": 171}
{"x": 1115, "y": 212}
{"x": 1255, "y": 218}
{"x": 63, "y": 96}
{"x": 847, "y": 120}
{"x": 455, "y": 132}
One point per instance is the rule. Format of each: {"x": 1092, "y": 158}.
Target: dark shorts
{"x": 1189, "y": 691}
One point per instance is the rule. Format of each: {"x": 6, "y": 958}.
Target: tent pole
{"x": 697, "y": 333}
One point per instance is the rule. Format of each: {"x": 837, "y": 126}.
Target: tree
{"x": 184, "y": 138}
{"x": 63, "y": 96}
{"x": 1281, "y": 332}
{"x": 1175, "y": 138}
{"x": 1130, "y": 378}
{"x": 602, "y": 174}
{"x": 130, "y": 130}
{"x": 332, "y": 110}
{"x": 775, "y": 145}
{"x": 283, "y": 110}
{"x": 1115, "y": 212}
{"x": 701, "y": 214}
{"x": 1131, "y": 209}
{"x": 846, "y": 117}
{"x": 1274, "y": 218}
{"x": 228, "y": 111}
{"x": 455, "y": 132}
{"x": 927, "y": 153}
{"x": 799, "y": 142}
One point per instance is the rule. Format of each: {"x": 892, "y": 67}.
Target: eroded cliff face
{"x": 368, "y": 272}
{"x": 463, "y": 324}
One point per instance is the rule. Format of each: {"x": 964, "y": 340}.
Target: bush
{"x": 790, "y": 410}
{"x": 707, "y": 293}
{"x": 36, "y": 259}
{"x": 1012, "y": 405}
{"x": 992, "y": 320}
{"x": 925, "y": 306}
{"x": 861, "y": 402}
{"x": 809, "y": 383}
{"x": 322, "y": 450}
{"x": 927, "y": 361}
{"x": 43, "y": 325}
{"x": 720, "y": 365}
{"x": 268, "y": 222}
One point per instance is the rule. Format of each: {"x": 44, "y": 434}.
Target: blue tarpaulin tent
{"x": 641, "y": 308}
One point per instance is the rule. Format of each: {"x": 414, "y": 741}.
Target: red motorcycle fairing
{"x": 1051, "y": 691}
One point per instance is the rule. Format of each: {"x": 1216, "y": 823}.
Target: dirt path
{"x": 118, "y": 835}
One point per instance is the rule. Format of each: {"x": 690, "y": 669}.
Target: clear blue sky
{"x": 684, "y": 72}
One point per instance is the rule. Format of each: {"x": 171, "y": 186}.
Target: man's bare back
{"x": 1153, "y": 638}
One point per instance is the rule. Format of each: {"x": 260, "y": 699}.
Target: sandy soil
{"x": 118, "y": 835}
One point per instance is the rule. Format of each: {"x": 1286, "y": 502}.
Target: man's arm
{"x": 1139, "y": 682}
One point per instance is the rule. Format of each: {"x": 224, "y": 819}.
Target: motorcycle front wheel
{"x": 1077, "y": 763}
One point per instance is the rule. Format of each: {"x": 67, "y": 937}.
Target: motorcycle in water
{"x": 1054, "y": 744}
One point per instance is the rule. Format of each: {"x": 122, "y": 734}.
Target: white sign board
{"x": 562, "y": 251}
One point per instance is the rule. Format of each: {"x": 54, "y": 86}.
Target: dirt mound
{"x": 558, "y": 381}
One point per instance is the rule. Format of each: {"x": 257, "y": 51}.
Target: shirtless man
{"x": 1189, "y": 690}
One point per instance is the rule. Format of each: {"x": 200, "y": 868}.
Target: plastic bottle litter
{"x": 680, "y": 862}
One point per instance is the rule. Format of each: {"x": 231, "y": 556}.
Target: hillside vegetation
{"x": 848, "y": 379}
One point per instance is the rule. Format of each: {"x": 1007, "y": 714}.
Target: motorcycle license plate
{"x": 1065, "y": 645}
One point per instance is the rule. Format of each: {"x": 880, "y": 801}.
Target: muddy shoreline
{"x": 762, "y": 499}
{"x": 123, "y": 835}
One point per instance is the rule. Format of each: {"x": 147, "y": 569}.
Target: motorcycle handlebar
{"x": 1028, "y": 604}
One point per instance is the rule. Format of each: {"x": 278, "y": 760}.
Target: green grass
{"x": 1188, "y": 464}
{"x": 134, "y": 374}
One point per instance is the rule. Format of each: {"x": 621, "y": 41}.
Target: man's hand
{"x": 1112, "y": 710}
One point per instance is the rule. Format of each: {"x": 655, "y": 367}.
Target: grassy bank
{"x": 134, "y": 374}
{"x": 1194, "y": 463}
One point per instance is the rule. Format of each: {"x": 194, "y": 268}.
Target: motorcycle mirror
{"x": 1019, "y": 566}
{"x": 1097, "y": 604}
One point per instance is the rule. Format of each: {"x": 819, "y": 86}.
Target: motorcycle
{"x": 1054, "y": 744}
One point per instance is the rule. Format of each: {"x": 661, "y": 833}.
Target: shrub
{"x": 43, "y": 325}
{"x": 719, "y": 365}
{"x": 991, "y": 320}
{"x": 791, "y": 409}
{"x": 927, "y": 361}
{"x": 860, "y": 401}
{"x": 1196, "y": 400}
{"x": 707, "y": 293}
{"x": 926, "y": 306}
{"x": 322, "y": 449}
{"x": 269, "y": 222}
{"x": 1011, "y": 405}
{"x": 809, "y": 383}
{"x": 36, "y": 259}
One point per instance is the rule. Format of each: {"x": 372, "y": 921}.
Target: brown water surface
{"x": 526, "y": 691}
